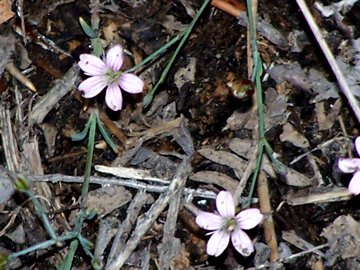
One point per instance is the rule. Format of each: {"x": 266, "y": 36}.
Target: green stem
{"x": 42, "y": 245}
{"x": 149, "y": 97}
{"x": 256, "y": 77}
{"x": 157, "y": 52}
{"x": 44, "y": 218}
{"x": 89, "y": 158}
{"x": 255, "y": 174}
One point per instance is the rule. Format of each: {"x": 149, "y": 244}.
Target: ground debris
{"x": 342, "y": 237}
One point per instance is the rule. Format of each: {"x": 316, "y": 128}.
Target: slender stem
{"x": 42, "y": 245}
{"x": 89, "y": 158}
{"x": 261, "y": 123}
{"x": 105, "y": 135}
{"x": 255, "y": 175}
{"x": 148, "y": 98}
{"x": 256, "y": 71}
{"x": 86, "y": 245}
{"x": 157, "y": 52}
{"x": 42, "y": 214}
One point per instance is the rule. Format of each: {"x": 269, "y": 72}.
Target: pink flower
{"x": 352, "y": 165}
{"x": 225, "y": 225}
{"x": 106, "y": 73}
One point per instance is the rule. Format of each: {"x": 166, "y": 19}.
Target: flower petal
{"x": 349, "y": 165}
{"x": 113, "y": 97}
{"x": 131, "y": 83}
{"x": 354, "y": 185}
{"x": 92, "y": 86}
{"x": 115, "y": 58}
{"x": 209, "y": 221}
{"x": 249, "y": 218}
{"x": 217, "y": 243}
{"x": 357, "y": 145}
{"x": 225, "y": 204}
{"x": 91, "y": 65}
{"x": 242, "y": 242}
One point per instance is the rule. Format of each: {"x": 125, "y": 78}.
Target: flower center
{"x": 230, "y": 225}
{"x": 112, "y": 76}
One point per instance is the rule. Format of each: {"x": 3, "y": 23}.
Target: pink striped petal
{"x": 91, "y": 65}
{"x": 92, "y": 86}
{"x": 249, "y": 218}
{"x": 115, "y": 58}
{"x": 225, "y": 204}
{"x": 113, "y": 97}
{"x": 131, "y": 83}
{"x": 354, "y": 185}
{"x": 349, "y": 165}
{"x": 242, "y": 242}
{"x": 209, "y": 221}
{"x": 217, "y": 243}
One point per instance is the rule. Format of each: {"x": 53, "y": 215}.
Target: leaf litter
{"x": 191, "y": 143}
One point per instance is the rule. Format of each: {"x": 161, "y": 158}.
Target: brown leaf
{"x": 5, "y": 11}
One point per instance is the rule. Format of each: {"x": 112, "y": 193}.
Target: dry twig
{"x": 265, "y": 207}
{"x": 144, "y": 224}
{"x": 330, "y": 58}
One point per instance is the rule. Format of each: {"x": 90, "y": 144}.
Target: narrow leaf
{"x": 105, "y": 135}
{"x": 67, "y": 263}
{"x": 87, "y": 28}
{"x": 81, "y": 135}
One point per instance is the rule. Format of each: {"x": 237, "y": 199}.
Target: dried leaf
{"x": 225, "y": 158}
{"x": 343, "y": 238}
{"x": 290, "y": 176}
{"x": 111, "y": 33}
{"x": 326, "y": 121}
{"x": 215, "y": 178}
{"x": 5, "y": 11}
{"x": 309, "y": 81}
{"x": 186, "y": 74}
{"x": 342, "y": 6}
{"x": 172, "y": 25}
{"x": 7, "y": 47}
{"x": 50, "y": 133}
{"x": 6, "y": 186}
{"x": 108, "y": 198}
{"x": 290, "y": 134}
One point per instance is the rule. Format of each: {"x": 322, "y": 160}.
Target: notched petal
{"x": 354, "y": 185}
{"x": 217, "y": 243}
{"x": 249, "y": 218}
{"x": 225, "y": 204}
{"x": 209, "y": 221}
{"x": 242, "y": 242}
{"x": 92, "y": 86}
{"x": 113, "y": 97}
{"x": 91, "y": 65}
{"x": 131, "y": 83}
{"x": 357, "y": 145}
{"x": 115, "y": 58}
{"x": 349, "y": 165}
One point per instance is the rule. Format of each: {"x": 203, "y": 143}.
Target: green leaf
{"x": 67, "y": 263}
{"x": 278, "y": 166}
{"x": 87, "y": 28}
{"x": 3, "y": 260}
{"x": 106, "y": 135}
{"x": 22, "y": 184}
{"x": 148, "y": 99}
{"x": 97, "y": 47}
{"x": 96, "y": 264}
{"x": 81, "y": 135}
